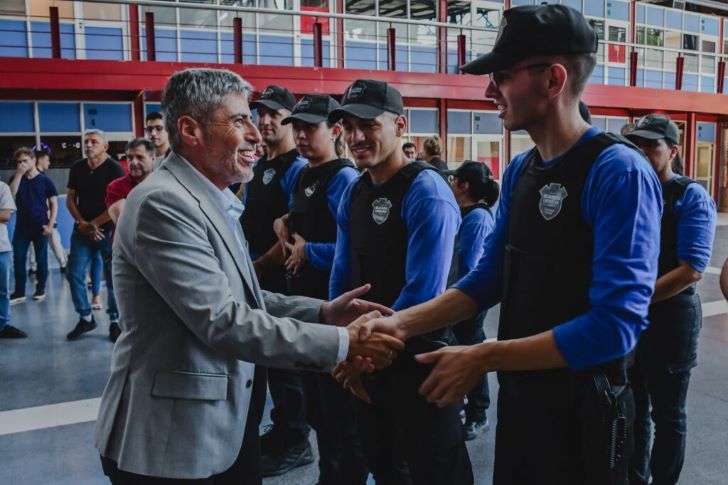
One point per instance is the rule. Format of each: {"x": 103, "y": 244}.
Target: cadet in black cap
{"x": 309, "y": 234}
{"x": 476, "y": 193}
{"x": 572, "y": 260}
{"x": 396, "y": 228}
{"x": 667, "y": 350}
{"x": 267, "y": 197}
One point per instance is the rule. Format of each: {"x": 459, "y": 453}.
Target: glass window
{"x": 39, "y": 8}
{"x": 594, "y": 8}
{"x": 520, "y": 143}
{"x": 458, "y": 122}
{"x": 197, "y": 18}
{"x": 690, "y": 42}
{"x": 618, "y": 10}
{"x": 708, "y": 46}
{"x": 487, "y": 123}
{"x": 361, "y": 7}
{"x": 458, "y": 12}
{"x": 8, "y": 144}
{"x": 423, "y": 121}
{"x": 641, "y": 34}
{"x": 17, "y": 117}
{"x": 101, "y": 11}
{"x": 655, "y": 16}
{"x": 640, "y": 11}
{"x": 709, "y": 25}
{"x": 14, "y": 7}
{"x": 59, "y": 117}
{"x": 488, "y": 152}
{"x": 692, "y": 23}
{"x": 598, "y": 26}
{"x": 673, "y": 39}
{"x": 423, "y": 9}
{"x": 278, "y": 24}
{"x": 691, "y": 63}
{"x": 617, "y": 34}
{"x": 653, "y": 58}
{"x": 65, "y": 149}
{"x": 575, "y": 4}
{"x": 708, "y": 65}
{"x": 393, "y": 8}
{"x": 706, "y": 132}
{"x": 655, "y": 37}
{"x": 107, "y": 116}
{"x": 599, "y": 121}
{"x": 614, "y": 125}
{"x": 163, "y": 16}
{"x": 673, "y": 19}
{"x": 458, "y": 148}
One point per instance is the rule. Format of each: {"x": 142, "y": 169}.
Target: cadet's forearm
{"x": 446, "y": 309}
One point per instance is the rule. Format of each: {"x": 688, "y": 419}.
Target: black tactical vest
{"x": 452, "y": 277}
{"x": 265, "y": 202}
{"x": 671, "y": 193}
{"x": 379, "y": 240}
{"x": 311, "y": 218}
{"x": 549, "y": 248}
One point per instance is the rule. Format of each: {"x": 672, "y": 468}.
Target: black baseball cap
{"x": 475, "y": 173}
{"x": 655, "y": 127}
{"x": 275, "y": 98}
{"x": 367, "y": 99}
{"x": 535, "y": 30}
{"x": 313, "y": 109}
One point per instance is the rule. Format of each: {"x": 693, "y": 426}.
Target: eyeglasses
{"x": 499, "y": 77}
{"x": 152, "y": 129}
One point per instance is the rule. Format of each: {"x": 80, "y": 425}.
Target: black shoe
{"x": 114, "y": 331}
{"x": 286, "y": 460}
{"x": 472, "y": 429}
{"x": 39, "y": 295}
{"x": 11, "y": 332}
{"x": 17, "y": 298}
{"x": 63, "y": 269}
{"x": 81, "y": 327}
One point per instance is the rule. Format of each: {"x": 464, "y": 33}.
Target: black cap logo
{"x": 356, "y": 92}
{"x": 304, "y": 104}
{"x": 645, "y": 120}
{"x": 267, "y": 93}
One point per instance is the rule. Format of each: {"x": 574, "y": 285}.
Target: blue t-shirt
{"x": 432, "y": 217}
{"x": 696, "y": 216}
{"x": 476, "y": 226}
{"x": 622, "y": 202}
{"x": 321, "y": 254}
{"x": 32, "y": 201}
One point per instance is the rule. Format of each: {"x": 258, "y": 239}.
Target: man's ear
{"x": 190, "y": 131}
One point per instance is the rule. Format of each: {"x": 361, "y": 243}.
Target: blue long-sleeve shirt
{"x": 320, "y": 254}
{"x": 432, "y": 217}
{"x": 476, "y": 226}
{"x": 696, "y": 217}
{"x": 622, "y": 202}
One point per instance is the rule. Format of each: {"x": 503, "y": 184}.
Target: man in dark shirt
{"x": 86, "y": 201}
{"x": 432, "y": 149}
{"x": 34, "y": 195}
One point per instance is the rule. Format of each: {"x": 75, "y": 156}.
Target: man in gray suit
{"x": 193, "y": 317}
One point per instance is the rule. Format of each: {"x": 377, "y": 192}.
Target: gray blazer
{"x": 193, "y": 320}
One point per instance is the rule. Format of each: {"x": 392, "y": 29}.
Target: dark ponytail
{"x": 487, "y": 193}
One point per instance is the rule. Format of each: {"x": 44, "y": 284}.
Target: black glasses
{"x": 152, "y": 129}
{"x": 499, "y": 77}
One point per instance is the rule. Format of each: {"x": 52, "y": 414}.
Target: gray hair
{"x": 141, "y": 142}
{"x": 197, "y": 93}
{"x": 96, "y": 132}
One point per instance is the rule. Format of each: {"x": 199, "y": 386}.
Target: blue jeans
{"x": 6, "y": 261}
{"x": 22, "y": 238}
{"x": 666, "y": 353}
{"x": 83, "y": 251}
{"x": 97, "y": 266}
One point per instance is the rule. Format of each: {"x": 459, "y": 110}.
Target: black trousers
{"x": 244, "y": 471}
{"x": 406, "y": 439}
{"x": 550, "y": 432}
{"x": 666, "y": 353}
{"x": 471, "y": 332}
{"x": 331, "y": 411}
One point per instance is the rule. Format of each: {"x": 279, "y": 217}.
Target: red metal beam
{"x": 318, "y": 50}
{"x": 134, "y": 43}
{"x": 391, "y": 49}
{"x": 442, "y": 37}
{"x": 55, "y": 33}
{"x": 442, "y": 105}
{"x": 340, "y": 53}
{"x": 689, "y": 151}
{"x": 721, "y": 77}
{"x": 139, "y": 114}
{"x": 461, "y": 50}
{"x": 88, "y": 76}
{"x": 633, "y": 68}
{"x": 238, "y": 40}
{"x": 679, "y": 67}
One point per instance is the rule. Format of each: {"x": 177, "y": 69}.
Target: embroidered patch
{"x": 380, "y": 210}
{"x": 311, "y": 189}
{"x": 304, "y": 104}
{"x": 268, "y": 176}
{"x": 552, "y": 198}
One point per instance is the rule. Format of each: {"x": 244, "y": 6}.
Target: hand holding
{"x": 457, "y": 370}
{"x": 350, "y": 378}
{"x": 298, "y": 253}
{"x": 379, "y": 347}
{"x": 280, "y": 227}
{"x": 348, "y": 307}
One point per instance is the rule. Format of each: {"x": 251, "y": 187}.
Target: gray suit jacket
{"x": 193, "y": 318}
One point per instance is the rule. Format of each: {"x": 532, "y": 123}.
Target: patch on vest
{"x": 552, "y": 198}
{"x": 380, "y": 210}
{"x": 268, "y": 176}
{"x": 311, "y": 189}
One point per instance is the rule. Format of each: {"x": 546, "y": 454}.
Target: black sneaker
{"x": 17, "y": 298}
{"x": 472, "y": 429}
{"x": 11, "y": 332}
{"x": 286, "y": 460}
{"x": 81, "y": 327}
{"x": 39, "y": 295}
{"x": 114, "y": 331}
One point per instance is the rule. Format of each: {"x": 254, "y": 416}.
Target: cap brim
{"x": 363, "y": 111}
{"x": 645, "y": 135}
{"x": 267, "y": 103}
{"x": 487, "y": 63}
{"x": 449, "y": 172}
{"x": 309, "y": 118}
